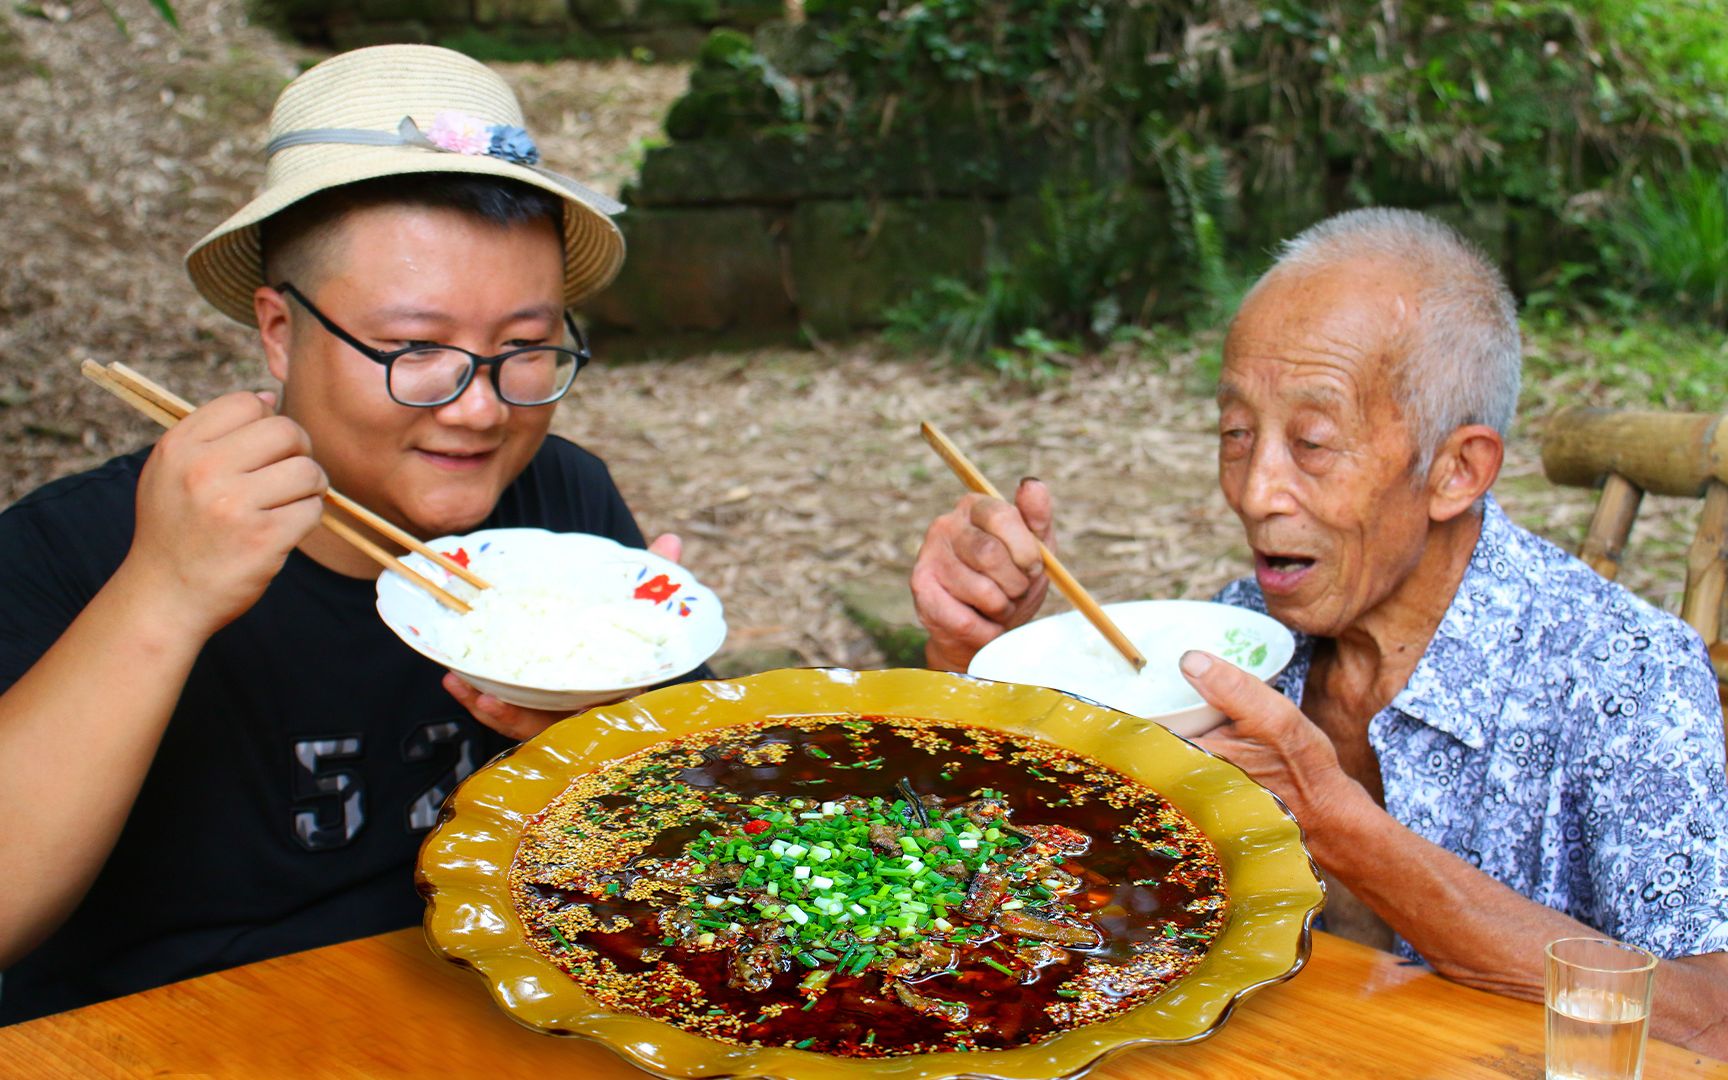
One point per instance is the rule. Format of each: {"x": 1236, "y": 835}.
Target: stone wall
{"x": 522, "y": 29}
{"x": 739, "y": 234}
{"x": 750, "y": 222}
{"x": 745, "y": 222}
{"x": 756, "y": 235}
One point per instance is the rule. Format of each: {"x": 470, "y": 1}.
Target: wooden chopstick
{"x": 390, "y": 562}
{"x": 141, "y": 384}
{"x": 167, "y": 409}
{"x": 407, "y": 540}
{"x": 1071, "y": 588}
{"x": 167, "y": 399}
{"x": 99, "y": 375}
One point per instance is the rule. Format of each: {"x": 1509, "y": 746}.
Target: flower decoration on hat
{"x": 460, "y": 133}
{"x": 513, "y": 144}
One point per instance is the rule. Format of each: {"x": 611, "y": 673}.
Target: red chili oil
{"x": 1151, "y": 883}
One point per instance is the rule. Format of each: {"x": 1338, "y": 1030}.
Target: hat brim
{"x": 227, "y": 264}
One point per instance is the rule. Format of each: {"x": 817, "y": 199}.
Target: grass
{"x": 1642, "y": 363}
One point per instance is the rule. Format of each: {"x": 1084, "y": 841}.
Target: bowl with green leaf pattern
{"x": 1065, "y": 652}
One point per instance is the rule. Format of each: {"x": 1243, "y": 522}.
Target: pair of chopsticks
{"x": 167, "y": 408}
{"x": 1072, "y": 589}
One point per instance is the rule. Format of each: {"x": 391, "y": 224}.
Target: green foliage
{"x": 1034, "y": 360}
{"x": 1088, "y": 265}
{"x": 1532, "y": 100}
{"x": 1201, "y": 207}
{"x": 733, "y": 90}
{"x": 900, "y": 64}
{"x": 724, "y": 47}
{"x": 508, "y": 45}
{"x": 1081, "y": 277}
{"x": 964, "y": 321}
{"x": 1527, "y": 100}
{"x": 1215, "y": 128}
{"x": 1669, "y": 239}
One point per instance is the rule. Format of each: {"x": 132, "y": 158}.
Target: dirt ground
{"x": 787, "y": 471}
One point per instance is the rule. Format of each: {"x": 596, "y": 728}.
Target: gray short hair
{"x": 1461, "y": 360}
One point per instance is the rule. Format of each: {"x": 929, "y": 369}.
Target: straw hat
{"x": 391, "y": 110}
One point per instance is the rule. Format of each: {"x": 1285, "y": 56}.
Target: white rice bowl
{"x": 1065, "y": 652}
{"x": 571, "y": 620}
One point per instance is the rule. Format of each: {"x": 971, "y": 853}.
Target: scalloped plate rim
{"x": 474, "y": 955}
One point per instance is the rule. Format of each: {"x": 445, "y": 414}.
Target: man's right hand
{"x": 222, "y": 499}
{"x": 979, "y": 573}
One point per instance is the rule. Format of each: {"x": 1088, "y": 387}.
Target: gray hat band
{"x": 408, "y": 133}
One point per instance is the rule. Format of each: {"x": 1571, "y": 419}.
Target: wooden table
{"x": 386, "y": 1007}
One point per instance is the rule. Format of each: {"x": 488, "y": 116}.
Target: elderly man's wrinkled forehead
{"x": 1339, "y": 328}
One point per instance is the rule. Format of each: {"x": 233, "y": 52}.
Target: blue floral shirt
{"x": 1565, "y": 738}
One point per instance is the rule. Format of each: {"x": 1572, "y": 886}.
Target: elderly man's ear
{"x": 1464, "y": 468}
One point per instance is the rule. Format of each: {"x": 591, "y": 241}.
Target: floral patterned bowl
{"x": 601, "y": 572}
{"x": 1274, "y": 888}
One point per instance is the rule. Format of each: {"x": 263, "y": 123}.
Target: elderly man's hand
{"x": 979, "y": 573}
{"x": 1271, "y": 739}
{"x": 514, "y": 721}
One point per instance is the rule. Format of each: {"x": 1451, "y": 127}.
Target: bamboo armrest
{"x": 1660, "y": 453}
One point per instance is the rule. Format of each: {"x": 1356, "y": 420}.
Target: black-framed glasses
{"x": 426, "y": 376}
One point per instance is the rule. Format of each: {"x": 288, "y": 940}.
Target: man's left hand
{"x": 1270, "y": 739}
{"x": 514, "y": 721}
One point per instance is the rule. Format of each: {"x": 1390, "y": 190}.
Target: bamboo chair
{"x": 1627, "y": 454}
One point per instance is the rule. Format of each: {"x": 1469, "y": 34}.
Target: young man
{"x": 211, "y": 749}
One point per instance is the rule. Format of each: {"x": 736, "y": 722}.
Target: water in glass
{"x": 1596, "y": 1034}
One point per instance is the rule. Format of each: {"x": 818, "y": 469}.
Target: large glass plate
{"x": 1273, "y": 887}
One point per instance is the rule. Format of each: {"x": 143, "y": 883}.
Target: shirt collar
{"x": 1467, "y": 669}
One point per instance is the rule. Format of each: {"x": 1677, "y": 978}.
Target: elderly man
{"x": 211, "y": 749}
{"x": 1489, "y": 746}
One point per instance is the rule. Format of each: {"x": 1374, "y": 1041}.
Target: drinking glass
{"x": 1598, "y": 998}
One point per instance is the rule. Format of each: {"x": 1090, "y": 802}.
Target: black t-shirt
{"x": 303, "y": 765}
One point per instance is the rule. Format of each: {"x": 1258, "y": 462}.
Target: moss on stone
{"x": 723, "y": 49}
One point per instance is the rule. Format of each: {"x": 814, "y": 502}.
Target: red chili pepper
{"x": 757, "y": 826}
